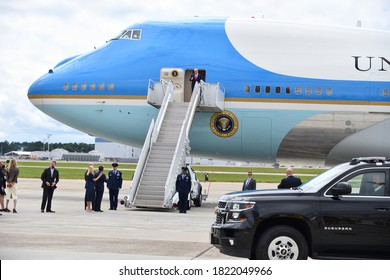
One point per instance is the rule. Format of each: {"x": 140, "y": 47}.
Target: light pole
{"x": 48, "y": 143}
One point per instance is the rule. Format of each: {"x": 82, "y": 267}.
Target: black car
{"x": 342, "y": 213}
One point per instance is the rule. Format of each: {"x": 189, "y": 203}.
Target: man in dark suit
{"x": 290, "y": 181}
{"x": 183, "y": 187}
{"x": 195, "y": 77}
{"x": 114, "y": 184}
{"x": 100, "y": 179}
{"x": 249, "y": 183}
{"x": 50, "y": 178}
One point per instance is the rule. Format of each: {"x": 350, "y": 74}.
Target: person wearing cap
{"x": 114, "y": 184}
{"x": 183, "y": 187}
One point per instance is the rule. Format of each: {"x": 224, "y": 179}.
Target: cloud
{"x": 37, "y": 34}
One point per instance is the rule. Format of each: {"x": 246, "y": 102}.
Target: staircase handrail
{"x": 141, "y": 163}
{"x": 212, "y": 96}
{"x": 179, "y": 154}
{"x": 151, "y": 86}
{"x": 163, "y": 109}
{"x": 220, "y": 96}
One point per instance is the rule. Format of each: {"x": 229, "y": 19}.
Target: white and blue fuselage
{"x": 294, "y": 91}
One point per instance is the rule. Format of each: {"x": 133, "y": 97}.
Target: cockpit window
{"x": 132, "y": 34}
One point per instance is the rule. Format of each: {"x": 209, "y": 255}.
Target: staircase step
{"x": 164, "y": 146}
{"x": 151, "y": 197}
{"x": 160, "y": 161}
{"x": 157, "y": 166}
{"x": 165, "y": 152}
{"x": 153, "y": 182}
{"x": 154, "y": 192}
{"x": 149, "y": 204}
{"x": 151, "y": 175}
{"x": 169, "y": 132}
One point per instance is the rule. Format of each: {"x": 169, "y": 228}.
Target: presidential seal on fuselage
{"x": 224, "y": 124}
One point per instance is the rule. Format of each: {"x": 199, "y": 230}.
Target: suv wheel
{"x": 198, "y": 198}
{"x": 281, "y": 243}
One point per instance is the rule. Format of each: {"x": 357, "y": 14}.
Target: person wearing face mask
{"x": 50, "y": 178}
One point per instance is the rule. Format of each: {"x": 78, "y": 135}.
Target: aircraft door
{"x": 256, "y": 137}
{"x": 187, "y": 88}
{"x": 378, "y": 93}
{"x": 176, "y": 75}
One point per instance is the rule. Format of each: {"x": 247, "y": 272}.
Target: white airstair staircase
{"x": 150, "y": 192}
{"x": 165, "y": 148}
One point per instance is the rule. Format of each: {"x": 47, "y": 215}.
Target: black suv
{"x": 342, "y": 213}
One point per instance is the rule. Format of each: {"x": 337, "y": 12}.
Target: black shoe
{"x": 14, "y": 211}
{"x": 42, "y": 211}
{"x": 111, "y": 209}
{"x": 50, "y": 211}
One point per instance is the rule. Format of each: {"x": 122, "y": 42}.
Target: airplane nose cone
{"x": 41, "y": 86}
{"x": 52, "y": 82}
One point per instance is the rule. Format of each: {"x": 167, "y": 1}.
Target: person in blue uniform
{"x": 290, "y": 181}
{"x": 100, "y": 179}
{"x": 114, "y": 184}
{"x": 89, "y": 188}
{"x": 183, "y": 187}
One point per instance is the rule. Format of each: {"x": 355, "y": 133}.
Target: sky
{"x": 36, "y": 34}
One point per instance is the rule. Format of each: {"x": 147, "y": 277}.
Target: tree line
{"x": 6, "y": 147}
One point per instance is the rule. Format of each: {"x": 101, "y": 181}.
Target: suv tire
{"x": 198, "y": 198}
{"x": 281, "y": 243}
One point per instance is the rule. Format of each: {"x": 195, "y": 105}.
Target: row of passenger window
{"x": 298, "y": 90}
{"x": 287, "y": 90}
{"x": 92, "y": 86}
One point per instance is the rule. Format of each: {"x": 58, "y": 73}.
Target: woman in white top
{"x": 12, "y": 179}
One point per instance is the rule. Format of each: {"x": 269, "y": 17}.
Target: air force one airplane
{"x": 292, "y": 91}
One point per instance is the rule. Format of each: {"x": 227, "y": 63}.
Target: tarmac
{"x": 71, "y": 233}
